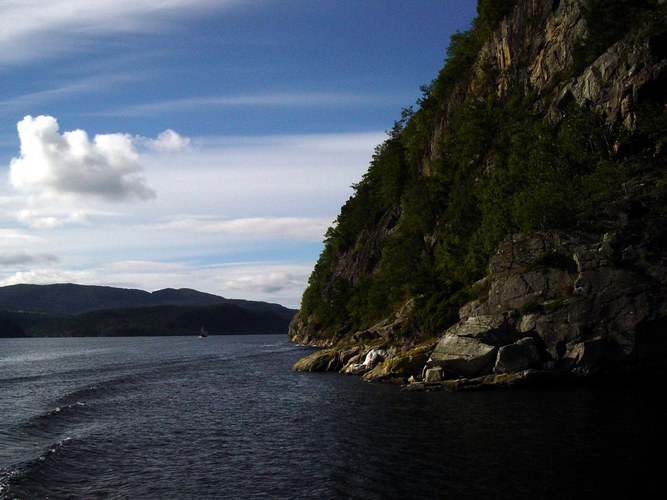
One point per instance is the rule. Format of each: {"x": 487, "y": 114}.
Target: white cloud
{"x": 50, "y": 163}
{"x": 31, "y": 29}
{"x": 222, "y": 199}
{"x": 36, "y": 220}
{"x": 18, "y": 238}
{"x": 267, "y": 177}
{"x": 300, "y": 228}
{"x": 248, "y": 281}
{"x": 90, "y": 84}
{"x": 168, "y": 141}
{"x": 272, "y": 281}
{"x": 48, "y": 276}
{"x": 23, "y": 258}
{"x": 269, "y": 281}
{"x": 281, "y": 99}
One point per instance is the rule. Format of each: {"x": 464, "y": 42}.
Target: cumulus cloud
{"x": 166, "y": 141}
{"x": 248, "y": 200}
{"x": 70, "y": 163}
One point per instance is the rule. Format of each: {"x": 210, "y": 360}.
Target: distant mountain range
{"x": 84, "y": 310}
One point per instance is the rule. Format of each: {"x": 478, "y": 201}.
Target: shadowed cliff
{"x": 514, "y": 220}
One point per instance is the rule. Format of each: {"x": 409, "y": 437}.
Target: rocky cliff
{"x": 515, "y": 221}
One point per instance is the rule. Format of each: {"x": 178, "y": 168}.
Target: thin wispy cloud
{"x": 45, "y": 276}
{"x": 23, "y": 258}
{"x": 36, "y": 220}
{"x": 92, "y": 84}
{"x": 263, "y": 176}
{"x": 33, "y": 29}
{"x": 276, "y": 282}
{"x": 283, "y": 113}
{"x": 11, "y": 237}
{"x": 277, "y": 99}
{"x": 298, "y": 228}
{"x": 273, "y": 281}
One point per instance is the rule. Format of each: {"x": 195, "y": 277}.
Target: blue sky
{"x": 197, "y": 143}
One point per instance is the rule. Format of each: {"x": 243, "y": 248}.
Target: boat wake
{"x": 14, "y": 481}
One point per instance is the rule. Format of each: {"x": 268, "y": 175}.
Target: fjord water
{"x": 224, "y": 417}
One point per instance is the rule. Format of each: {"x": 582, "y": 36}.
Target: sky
{"x": 203, "y": 144}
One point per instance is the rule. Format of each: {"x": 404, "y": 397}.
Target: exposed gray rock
{"x": 371, "y": 359}
{"x": 587, "y": 306}
{"x": 331, "y": 359}
{"x": 355, "y": 369}
{"x": 518, "y": 251}
{"x": 522, "y": 288}
{"x": 400, "y": 365}
{"x": 521, "y": 355}
{"x": 587, "y": 299}
{"x": 492, "y": 329}
{"x": 590, "y": 356}
{"x": 523, "y": 378}
{"x": 316, "y": 362}
{"x": 462, "y": 356}
{"x": 435, "y": 374}
{"x": 374, "y": 357}
{"x": 390, "y": 327}
{"x": 617, "y": 79}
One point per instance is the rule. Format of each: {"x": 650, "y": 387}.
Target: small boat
{"x": 203, "y": 333}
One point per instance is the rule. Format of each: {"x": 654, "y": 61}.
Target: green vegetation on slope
{"x": 85, "y": 310}
{"x": 222, "y": 319}
{"x": 500, "y": 169}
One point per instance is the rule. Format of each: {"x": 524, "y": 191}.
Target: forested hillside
{"x": 85, "y": 310}
{"x": 545, "y": 118}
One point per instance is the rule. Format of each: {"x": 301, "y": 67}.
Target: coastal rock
{"x": 577, "y": 294}
{"x": 520, "y": 289}
{"x": 517, "y": 357}
{"x": 462, "y": 356}
{"x": 577, "y": 306}
{"x": 317, "y": 362}
{"x": 524, "y": 378}
{"x": 401, "y": 365}
{"x": 326, "y": 360}
{"x": 517, "y": 252}
{"x": 388, "y": 329}
{"x": 590, "y": 356}
{"x": 492, "y": 329}
{"x": 371, "y": 359}
{"x": 435, "y": 374}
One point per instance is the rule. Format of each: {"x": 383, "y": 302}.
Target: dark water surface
{"x": 224, "y": 417}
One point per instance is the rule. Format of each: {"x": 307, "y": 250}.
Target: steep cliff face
{"x": 516, "y": 219}
{"x": 576, "y": 302}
